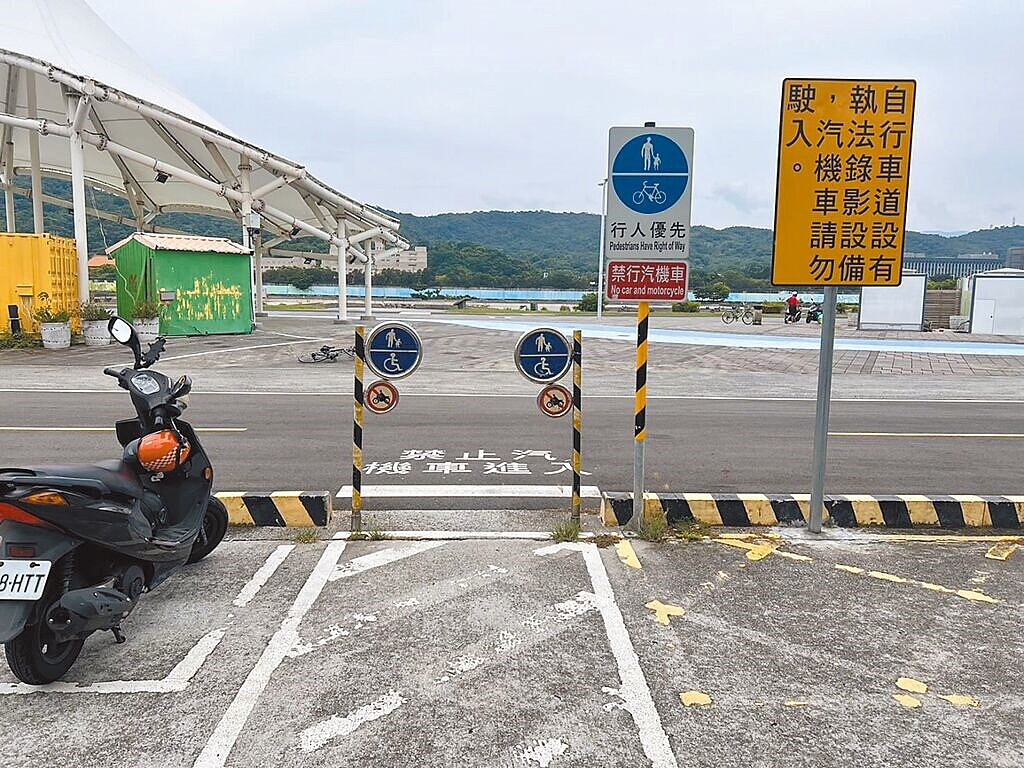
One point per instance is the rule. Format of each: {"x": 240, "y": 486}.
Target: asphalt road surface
{"x": 852, "y": 650}
{"x": 261, "y": 442}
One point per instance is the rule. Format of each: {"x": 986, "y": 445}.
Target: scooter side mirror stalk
{"x": 124, "y": 333}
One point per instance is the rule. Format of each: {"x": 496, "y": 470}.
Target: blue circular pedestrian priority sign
{"x": 543, "y": 355}
{"x": 393, "y": 350}
{"x": 650, "y": 173}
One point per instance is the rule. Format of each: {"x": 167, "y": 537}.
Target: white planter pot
{"x": 95, "y": 332}
{"x": 56, "y": 335}
{"x": 148, "y": 330}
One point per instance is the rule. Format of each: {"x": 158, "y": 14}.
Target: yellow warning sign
{"x": 844, "y": 168}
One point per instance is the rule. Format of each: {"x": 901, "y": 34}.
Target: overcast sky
{"x": 429, "y": 106}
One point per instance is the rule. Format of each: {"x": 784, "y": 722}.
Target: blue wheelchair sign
{"x": 650, "y": 173}
{"x": 393, "y": 350}
{"x": 543, "y": 355}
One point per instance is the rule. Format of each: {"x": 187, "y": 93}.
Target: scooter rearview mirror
{"x": 123, "y": 332}
{"x": 120, "y": 329}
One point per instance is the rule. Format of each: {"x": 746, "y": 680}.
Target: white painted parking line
{"x": 467, "y": 535}
{"x": 452, "y": 490}
{"x": 177, "y": 679}
{"x": 634, "y": 691}
{"x": 255, "y": 584}
{"x": 222, "y": 741}
{"x": 235, "y": 349}
{"x": 379, "y": 558}
{"x": 318, "y": 735}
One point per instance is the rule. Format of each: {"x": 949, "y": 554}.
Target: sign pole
{"x": 828, "y": 336}
{"x": 357, "y": 431}
{"x": 577, "y": 422}
{"x": 640, "y": 409}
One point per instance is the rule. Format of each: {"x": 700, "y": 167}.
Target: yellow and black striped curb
{"x": 297, "y": 509}
{"x": 850, "y": 511}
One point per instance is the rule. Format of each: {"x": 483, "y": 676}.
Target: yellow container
{"x": 34, "y": 270}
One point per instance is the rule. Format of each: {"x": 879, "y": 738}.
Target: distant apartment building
{"x": 409, "y": 260}
{"x": 964, "y": 265}
{"x": 1015, "y": 257}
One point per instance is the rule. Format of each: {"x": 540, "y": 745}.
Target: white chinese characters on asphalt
{"x": 439, "y": 462}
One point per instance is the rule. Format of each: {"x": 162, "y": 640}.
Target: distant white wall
{"x": 894, "y": 308}
{"x": 998, "y": 304}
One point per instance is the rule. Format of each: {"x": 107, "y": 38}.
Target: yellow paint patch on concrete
{"x": 975, "y": 510}
{"x": 960, "y": 700}
{"x": 793, "y": 556}
{"x": 907, "y": 701}
{"x": 936, "y": 587}
{"x": 795, "y": 703}
{"x": 723, "y": 576}
{"x": 755, "y": 551}
{"x": 887, "y": 577}
{"x": 627, "y": 555}
{"x": 978, "y": 597}
{"x": 849, "y": 569}
{"x": 911, "y": 685}
{"x": 759, "y": 509}
{"x": 1002, "y": 550}
{"x": 695, "y": 699}
{"x": 704, "y": 508}
{"x": 921, "y": 509}
{"x": 662, "y": 611}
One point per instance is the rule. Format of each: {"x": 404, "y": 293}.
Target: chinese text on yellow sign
{"x": 844, "y": 164}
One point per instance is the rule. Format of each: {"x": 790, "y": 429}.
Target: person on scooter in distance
{"x": 793, "y": 307}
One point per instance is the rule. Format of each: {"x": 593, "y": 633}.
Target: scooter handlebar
{"x": 112, "y": 372}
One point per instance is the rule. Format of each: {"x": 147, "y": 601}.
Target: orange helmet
{"x": 162, "y": 451}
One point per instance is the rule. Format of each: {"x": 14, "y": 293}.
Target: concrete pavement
{"x": 850, "y": 649}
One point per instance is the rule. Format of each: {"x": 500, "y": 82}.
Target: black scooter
{"x": 80, "y": 544}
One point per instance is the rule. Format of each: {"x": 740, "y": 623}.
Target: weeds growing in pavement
{"x": 307, "y": 536}
{"x": 566, "y": 532}
{"x": 603, "y": 540}
{"x": 378, "y": 535}
{"x": 653, "y": 528}
{"x": 690, "y": 530}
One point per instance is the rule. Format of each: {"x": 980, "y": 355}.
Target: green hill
{"x": 514, "y": 248}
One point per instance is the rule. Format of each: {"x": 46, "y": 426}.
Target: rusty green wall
{"x": 212, "y": 292}
{"x": 134, "y": 276}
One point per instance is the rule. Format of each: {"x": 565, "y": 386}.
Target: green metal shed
{"x": 203, "y": 284}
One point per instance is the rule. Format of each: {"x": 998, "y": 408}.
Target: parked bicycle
{"x": 327, "y": 354}
{"x": 730, "y": 314}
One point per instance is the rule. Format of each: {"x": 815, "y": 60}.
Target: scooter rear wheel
{"x": 36, "y": 658}
{"x": 215, "y": 525}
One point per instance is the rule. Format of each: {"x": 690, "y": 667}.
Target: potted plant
{"x": 55, "y": 325}
{"x": 146, "y": 319}
{"x": 94, "y": 324}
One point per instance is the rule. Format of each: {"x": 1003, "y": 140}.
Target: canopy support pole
{"x": 38, "y": 224}
{"x": 257, "y": 256}
{"x": 77, "y": 149}
{"x": 368, "y": 280}
{"x": 342, "y": 252}
{"x": 11, "y": 103}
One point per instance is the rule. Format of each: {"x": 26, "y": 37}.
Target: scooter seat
{"x": 115, "y": 475}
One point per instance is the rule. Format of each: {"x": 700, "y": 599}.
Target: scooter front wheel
{"x": 36, "y": 658}
{"x": 215, "y": 525}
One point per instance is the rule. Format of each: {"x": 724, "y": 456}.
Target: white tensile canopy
{"x": 79, "y": 103}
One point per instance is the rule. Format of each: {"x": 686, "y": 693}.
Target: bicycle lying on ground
{"x": 327, "y": 354}
{"x": 746, "y": 314}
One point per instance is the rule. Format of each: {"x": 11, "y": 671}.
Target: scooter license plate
{"x": 23, "y": 579}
